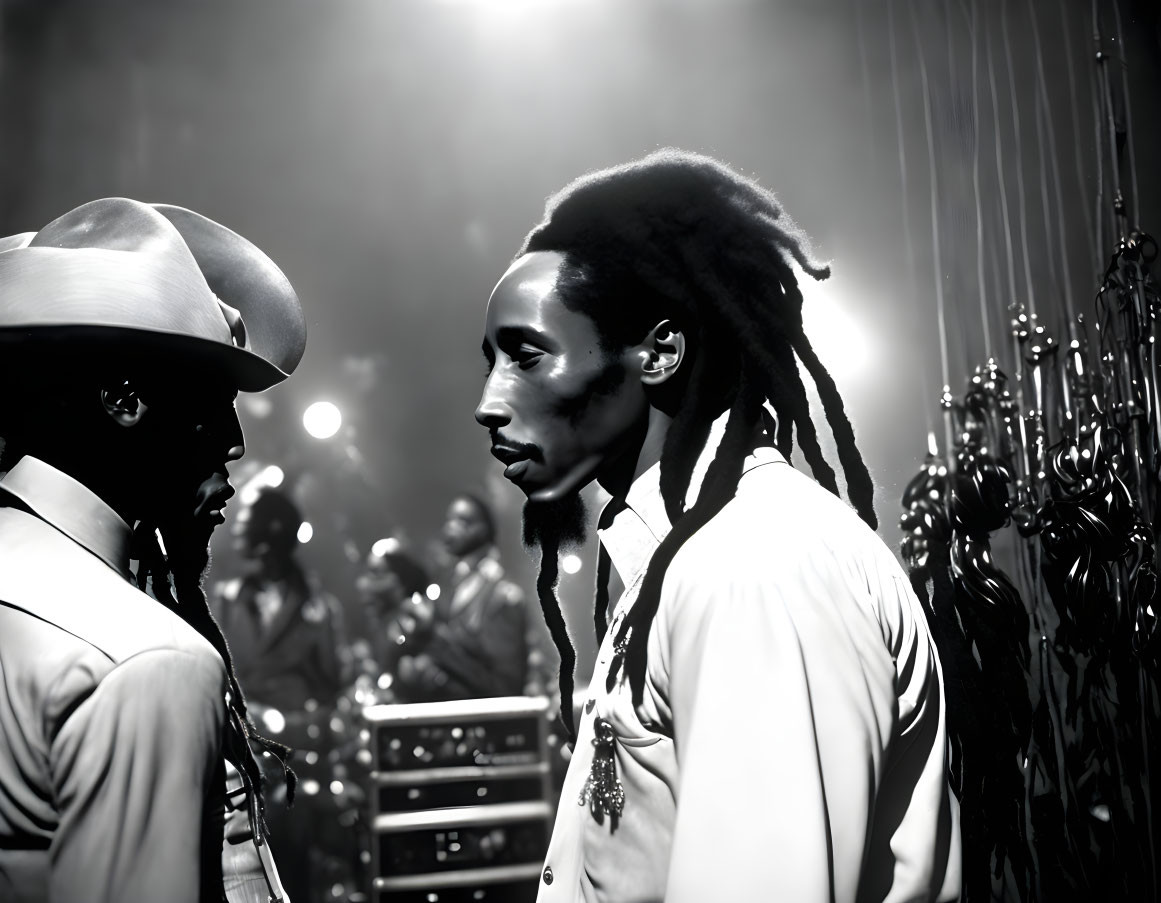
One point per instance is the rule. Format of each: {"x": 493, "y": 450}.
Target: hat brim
{"x": 244, "y": 370}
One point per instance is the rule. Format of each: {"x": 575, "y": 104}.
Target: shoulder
{"x": 784, "y": 537}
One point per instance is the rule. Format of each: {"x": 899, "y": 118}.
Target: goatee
{"x": 562, "y": 524}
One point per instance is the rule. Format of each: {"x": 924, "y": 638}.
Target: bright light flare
{"x": 274, "y": 721}
{"x": 322, "y": 419}
{"x": 840, "y": 341}
{"x": 570, "y": 564}
{"x": 305, "y": 531}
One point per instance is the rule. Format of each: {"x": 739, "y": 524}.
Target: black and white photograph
{"x": 580, "y": 451}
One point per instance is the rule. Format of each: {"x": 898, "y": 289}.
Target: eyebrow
{"x": 514, "y": 335}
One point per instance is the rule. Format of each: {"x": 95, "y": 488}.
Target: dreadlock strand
{"x": 194, "y": 609}
{"x": 720, "y": 483}
{"x": 782, "y": 381}
{"x": 557, "y": 629}
{"x": 860, "y": 486}
{"x": 686, "y": 435}
{"x": 188, "y": 601}
{"x": 601, "y": 602}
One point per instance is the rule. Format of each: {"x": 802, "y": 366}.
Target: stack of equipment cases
{"x": 459, "y": 800}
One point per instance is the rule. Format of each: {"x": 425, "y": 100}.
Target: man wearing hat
{"x": 126, "y": 331}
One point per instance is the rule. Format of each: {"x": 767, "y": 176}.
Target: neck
{"x": 640, "y": 456}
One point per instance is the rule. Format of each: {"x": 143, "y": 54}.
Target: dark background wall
{"x": 390, "y": 156}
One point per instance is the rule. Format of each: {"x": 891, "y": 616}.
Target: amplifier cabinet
{"x": 459, "y": 800}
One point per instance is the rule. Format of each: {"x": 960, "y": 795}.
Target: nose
{"x": 493, "y": 412}
{"x": 238, "y": 439}
{"x": 233, "y": 436}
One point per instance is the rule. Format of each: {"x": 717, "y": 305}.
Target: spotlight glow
{"x": 272, "y": 476}
{"x": 322, "y": 419}
{"x": 432, "y": 591}
{"x": 274, "y": 721}
{"x": 843, "y": 343}
{"x": 305, "y": 531}
{"x": 570, "y": 564}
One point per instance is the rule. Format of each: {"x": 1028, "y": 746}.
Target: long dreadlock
{"x": 183, "y": 594}
{"x": 683, "y": 237}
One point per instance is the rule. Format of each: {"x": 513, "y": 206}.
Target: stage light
{"x": 273, "y": 721}
{"x": 272, "y": 476}
{"x": 305, "y": 531}
{"x": 432, "y": 591}
{"x": 570, "y": 564}
{"x": 322, "y": 419}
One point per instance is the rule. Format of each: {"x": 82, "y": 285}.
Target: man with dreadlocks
{"x": 765, "y": 719}
{"x": 126, "y": 331}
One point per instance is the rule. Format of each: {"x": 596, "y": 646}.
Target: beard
{"x": 562, "y": 524}
{"x": 173, "y": 559}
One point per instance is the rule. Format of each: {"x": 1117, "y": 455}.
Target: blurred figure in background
{"x": 470, "y": 640}
{"x": 393, "y": 588}
{"x": 284, "y": 633}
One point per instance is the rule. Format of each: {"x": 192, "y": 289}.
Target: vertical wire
{"x": 1074, "y": 116}
{"x": 868, "y": 99}
{"x": 1009, "y": 254}
{"x": 1135, "y": 216}
{"x": 939, "y": 300}
{"x": 1040, "y": 114}
{"x": 908, "y": 245}
{"x": 1015, "y": 107}
{"x": 980, "y": 281}
{"x": 908, "y": 241}
{"x": 1046, "y": 109}
{"x": 1098, "y": 106}
{"x": 1107, "y": 119}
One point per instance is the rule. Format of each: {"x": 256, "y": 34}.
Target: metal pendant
{"x": 603, "y": 793}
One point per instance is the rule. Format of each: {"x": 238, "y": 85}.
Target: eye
{"x": 526, "y": 356}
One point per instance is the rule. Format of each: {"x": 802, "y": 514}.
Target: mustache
{"x": 518, "y": 449}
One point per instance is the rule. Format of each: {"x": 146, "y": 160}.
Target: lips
{"x": 509, "y": 454}
{"x": 212, "y": 502}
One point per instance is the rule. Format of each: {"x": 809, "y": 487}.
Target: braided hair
{"x": 681, "y": 236}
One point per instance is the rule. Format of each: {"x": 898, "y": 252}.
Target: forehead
{"x": 527, "y": 300}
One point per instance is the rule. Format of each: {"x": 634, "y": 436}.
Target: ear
{"x": 123, "y": 404}
{"x": 663, "y": 351}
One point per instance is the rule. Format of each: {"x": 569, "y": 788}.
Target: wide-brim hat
{"x": 153, "y": 278}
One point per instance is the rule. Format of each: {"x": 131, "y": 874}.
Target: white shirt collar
{"x": 72, "y": 508}
{"x": 640, "y": 523}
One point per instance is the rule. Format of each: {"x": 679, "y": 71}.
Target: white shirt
{"x": 791, "y": 742}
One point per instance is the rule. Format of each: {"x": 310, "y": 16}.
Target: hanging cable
{"x": 1134, "y": 215}
{"x": 982, "y": 285}
{"x": 941, "y": 313}
{"x": 1016, "y": 140}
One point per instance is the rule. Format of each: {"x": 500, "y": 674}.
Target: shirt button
{"x": 547, "y": 874}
